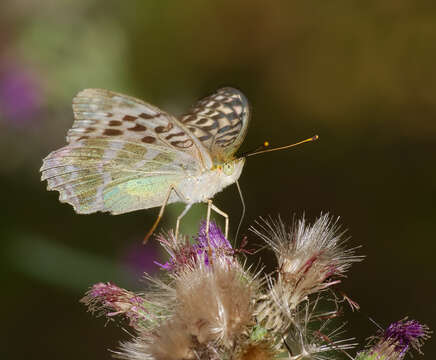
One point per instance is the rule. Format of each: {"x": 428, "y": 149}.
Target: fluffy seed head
{"x": 310, "y": 258}
{"x": 169, "y": 341}
{"x": 309, "y": 253}
{"x": 215, "y": 301}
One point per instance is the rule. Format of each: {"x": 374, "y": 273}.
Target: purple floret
{"x": 218, "y": 242}
{"x": 405, "y": 334}
{"x": 189, "y": 254}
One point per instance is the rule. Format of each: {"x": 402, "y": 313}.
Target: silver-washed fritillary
{"x": 124, "y": 154}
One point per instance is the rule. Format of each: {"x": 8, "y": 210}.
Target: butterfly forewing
{"x": 123, "y": 155}
{"x": 102, "y": 113}
{"x": 220, "y": 122}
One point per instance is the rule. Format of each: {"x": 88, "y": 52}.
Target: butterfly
{"x": 124, "y": 154}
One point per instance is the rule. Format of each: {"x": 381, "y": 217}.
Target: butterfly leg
{"x": 226, "y": 217}
{"x": 211, "y": 206}
{"x": 209, "y": 251}
{"x": 151, "y": 231}
{"x": 185, "y": 210}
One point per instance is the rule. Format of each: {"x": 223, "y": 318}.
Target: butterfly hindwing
{"x": 107, "y": 178}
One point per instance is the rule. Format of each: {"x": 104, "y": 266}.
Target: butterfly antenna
{"x": 264, "y": 147}
{"x": 259, "y": 148}
{"x": 243, "y": 210}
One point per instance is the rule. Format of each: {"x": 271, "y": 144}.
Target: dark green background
{"x": 361, "y": 74}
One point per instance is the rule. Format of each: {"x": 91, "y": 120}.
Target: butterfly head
{"x": 230, "y": 171}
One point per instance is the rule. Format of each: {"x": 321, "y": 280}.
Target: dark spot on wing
{"x": 115, "y": 123}
{"x": 205, "y": 137}
{"x": 148, "y": 139}
{"x": 176, "y": 134}
{"x": 137, "y": 127}
{"x": 211, "y": 127}
{"x": 235, "y": 132}
{"x": 163, "y": 129}
{"x": 232, "y": 116}
{"x": 147, "y": 116}
{"x": 189, "y": 118}
{"x": 112, "y": 132}
{"x": 129, "y": 118}
{"x": 224, "y": 129}
{"x": 201, "y": 121}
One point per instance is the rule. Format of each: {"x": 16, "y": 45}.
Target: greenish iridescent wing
{"x": 123, "y": 155}
{"x": 220, "y": 122}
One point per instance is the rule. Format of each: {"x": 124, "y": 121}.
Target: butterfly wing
{"x": 123, "y": 155}
{"x": 220, "y": 122}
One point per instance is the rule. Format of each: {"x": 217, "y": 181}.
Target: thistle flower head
{"x": 406, "y": 334}
{"x": 183, "y": 253}
{"x": 217, "y": 245}
{"x": 398, "y": 338}
{"x": 110, "y": 300}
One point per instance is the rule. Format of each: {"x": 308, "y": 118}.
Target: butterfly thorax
{"x": 204, "y": 186}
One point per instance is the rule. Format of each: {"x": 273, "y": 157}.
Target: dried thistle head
{"x": 169, "y": 341}
{"x": 308, "y": 255}
{"x": 311, "y": 258}
{"x": 215, "y": 301}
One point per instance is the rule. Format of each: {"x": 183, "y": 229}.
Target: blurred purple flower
{"x": 20, "y": 97}
{"x": 139, "y": 258}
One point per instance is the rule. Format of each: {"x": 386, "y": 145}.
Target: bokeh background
{"x": 361, "y": 74}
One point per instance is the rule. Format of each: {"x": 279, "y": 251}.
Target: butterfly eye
{"x": 228, "y": 168}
